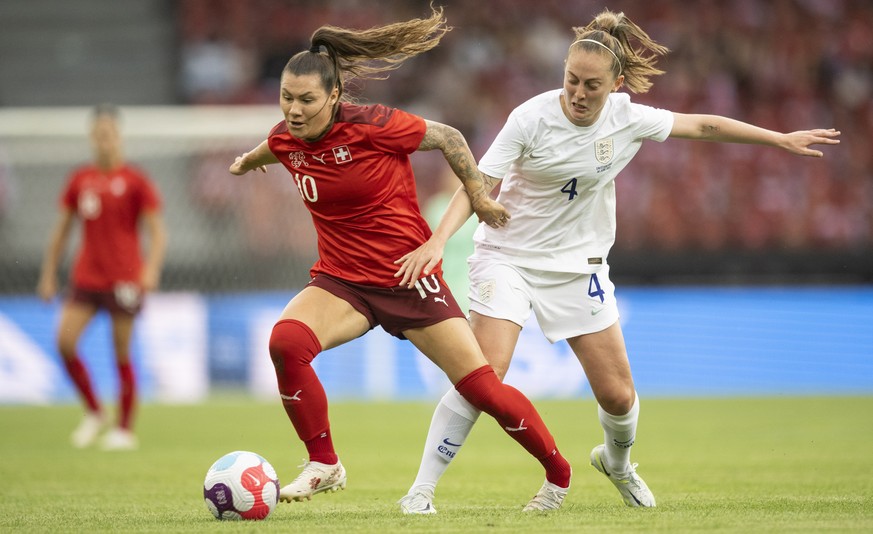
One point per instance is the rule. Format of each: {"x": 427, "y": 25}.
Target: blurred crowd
{"x": 782, "y": 64}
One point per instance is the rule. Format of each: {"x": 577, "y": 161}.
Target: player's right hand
{"x": 419, "y": 262}
{"x": 47, "y": 288}
{"x": 242, "y": 164}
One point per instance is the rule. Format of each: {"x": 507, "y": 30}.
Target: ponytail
{"x": 339, "y": 54}
{"x": 615, "y": 32}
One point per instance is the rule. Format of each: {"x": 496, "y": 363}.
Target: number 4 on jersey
{"x": 594, "y": 289}
{"x": 570, "y": 189}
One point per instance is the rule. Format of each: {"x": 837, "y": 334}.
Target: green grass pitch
{"x": 727, "y": 465}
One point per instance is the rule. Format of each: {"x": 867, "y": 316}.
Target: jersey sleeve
{"x": 150, "y": 197}
{"x": 401, "y": 134}
{"x": 652, "y": 123}
{"x": 507, "y": 147}
{"x": 70, "y": 195}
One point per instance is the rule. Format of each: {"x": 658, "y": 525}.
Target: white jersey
{"x": 559, "y": 181}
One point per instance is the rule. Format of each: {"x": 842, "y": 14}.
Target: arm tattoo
{"x": 459, "y": 157}
{"x": 710, "y": 130}
{"x": 489, "y": 182}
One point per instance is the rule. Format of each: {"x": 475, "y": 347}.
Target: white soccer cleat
{"x": 417, "y": 502}
{"x": 550, "y": 497}
{"x": 88, "y": 430}
{"x": 633, "y": 489}
{"x": 315, "y": 478}
{"x": 119, "y": 439}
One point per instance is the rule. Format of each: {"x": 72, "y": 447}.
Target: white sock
{"x": 619, "y": 432}
{"x": 452, "y": 422}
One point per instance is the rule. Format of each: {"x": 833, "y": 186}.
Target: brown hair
{"x": 615, "y": 32}
{"x": 105, "y": 110}
{"x": 366, "y": 53}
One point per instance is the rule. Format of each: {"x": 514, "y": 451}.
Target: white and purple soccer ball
{"x": 241, "y": 485}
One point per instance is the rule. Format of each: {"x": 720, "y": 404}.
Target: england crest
{"x": 603, "y": 150}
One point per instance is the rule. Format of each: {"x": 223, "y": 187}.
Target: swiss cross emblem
{"x": 603, "y": 150}
{"x": 341, "y": 154}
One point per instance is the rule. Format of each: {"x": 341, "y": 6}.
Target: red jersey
{"x": 109, "y": 204}
{"x": 358, "y": 185}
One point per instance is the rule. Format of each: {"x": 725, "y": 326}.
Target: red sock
{"x": 518, "y": 418}
{"x": 293, "y": 346}
{"x": 126, "y": 394}
{"x": 79, "y": 375}
{"x": 320, "y": 448}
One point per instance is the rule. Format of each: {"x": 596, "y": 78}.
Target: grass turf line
{"x": 732, "y": 465}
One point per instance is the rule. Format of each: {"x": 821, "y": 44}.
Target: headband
{"x": 604, "y": 46}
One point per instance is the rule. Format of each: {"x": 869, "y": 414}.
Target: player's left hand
{"x": 148, "y": 280}
{"x": 419, "y": 262}
{"x": 800, "y": 141}
{"x": 491, "y": 212}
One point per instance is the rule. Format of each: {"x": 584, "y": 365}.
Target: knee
{"x": 617, "y": 400}
{"x": 478, "y": 388}
{"x": 278, "y": 345}
{"x": 500, "y": 371}
{"x": 67, "y": 346}
{"x": 292, "y": 342}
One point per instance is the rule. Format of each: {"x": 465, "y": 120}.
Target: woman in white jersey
{"x": 558, "y": 156}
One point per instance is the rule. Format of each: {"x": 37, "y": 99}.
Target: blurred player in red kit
{"x": 112, "y": 198}
{"x": 351, "y": 166}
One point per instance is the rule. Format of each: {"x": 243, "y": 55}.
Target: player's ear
{"x": 618, "y": 83}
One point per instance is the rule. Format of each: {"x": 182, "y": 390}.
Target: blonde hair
{"x": 614, "y": 32}
{"x": 339, "y": 54}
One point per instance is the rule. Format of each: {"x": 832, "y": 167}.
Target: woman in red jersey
{"x": 351, "y": 166}
{"x": 111, "y": 198}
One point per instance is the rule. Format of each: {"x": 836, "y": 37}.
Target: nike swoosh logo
{"x": 624, "y": 444}
{"x": 450, "y": 444}
{"x": 595, "y": 312}
{"x": 255, "y": 480}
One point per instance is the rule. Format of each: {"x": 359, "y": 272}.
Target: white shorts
{"x": 566, "y": 304}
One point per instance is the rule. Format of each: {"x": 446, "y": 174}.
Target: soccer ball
{"x": 241, "y": 485}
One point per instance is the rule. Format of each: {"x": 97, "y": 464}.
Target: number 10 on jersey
{"x": 306, "y": 186}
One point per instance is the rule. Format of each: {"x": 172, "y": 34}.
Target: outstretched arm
{"x": 725, "y": 130}
{"x": 454, "y": 148}
{"x": 257, "y": 158}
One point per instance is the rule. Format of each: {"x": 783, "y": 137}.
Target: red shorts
{"x": 396, "y": 308}
{"x": 126, "y": 298}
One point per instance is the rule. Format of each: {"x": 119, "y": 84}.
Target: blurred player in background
{"x": 558, "y": 156}
{"x": 112, "y": 198}
{"x": 351, "y": 166}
